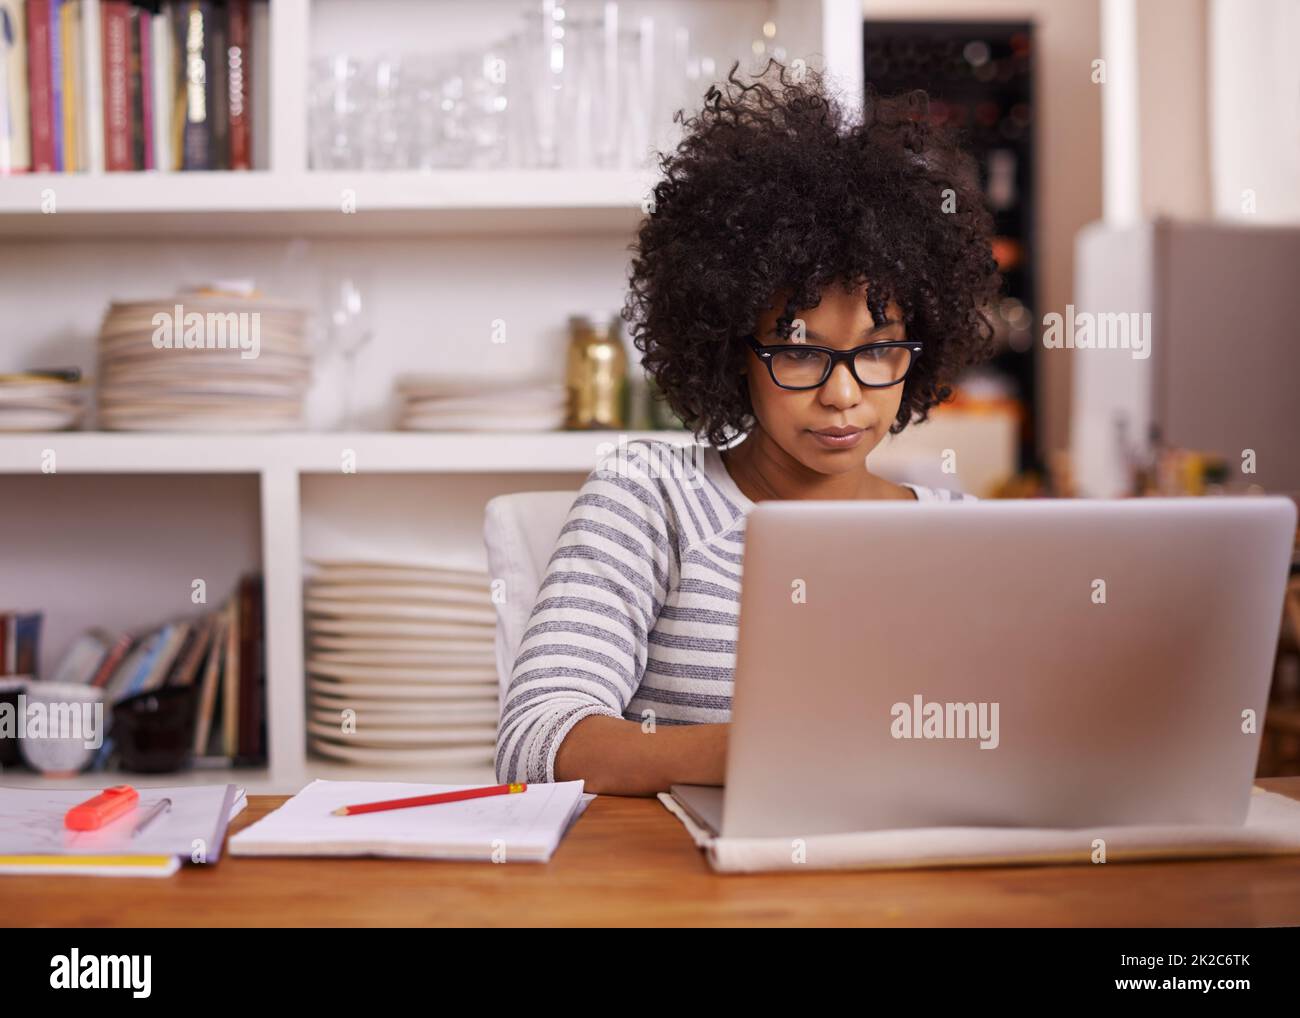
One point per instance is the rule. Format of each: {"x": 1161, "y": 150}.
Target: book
{"x": 68, "y": 43}
{"x": 23, "y": 643}
{"x": 92, "y": 86}
{"x": 525, "y": 826}
{"x": 161, "y": 665}
{"x": 257, "y": 68}
{"x": 230, "y": 684}
{"x": 186, "y": 668}
{"x": 113, "y": 658}
{"x": 55, "y": 37}
{"x": 40, "y": 86}
{"x": 89, "y": 865}
{"x": 135, "y": 85}
{"x": 238, "y": 76}
{"x": 163, "y": 84}
{"x": 81, "y": 661}
{"x": 249, "y": 750}
{"x": 195, "y": 41}
{"x": 15, "y": 129}
{"x": 134, "y": 666}
{"x": 176, "y": 21}
{"x": 114, "y": 26}
{"x": 208, "y": 689}
{"x": 144, "y": 26}
{"x": 218, "y": 89}
{"x": 33, "y": 838}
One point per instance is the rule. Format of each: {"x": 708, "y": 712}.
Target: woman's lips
{"x": 838, "y": 438}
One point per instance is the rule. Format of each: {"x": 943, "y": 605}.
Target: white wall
{"x": 1255, "y": 108}
{"x": 435, "y": 300}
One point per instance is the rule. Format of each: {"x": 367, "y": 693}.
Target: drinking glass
{"x": 335, "y": 107}
{"x": 349, "y": 324}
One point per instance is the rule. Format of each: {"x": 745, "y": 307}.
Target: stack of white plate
{"x": 434, "y": 403}
{"x": 35, "y": 402}
{"x": 408, "y": 650}
{"x": 163, "y": 373}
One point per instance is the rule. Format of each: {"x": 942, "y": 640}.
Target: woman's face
{"x": 790, "y": 418}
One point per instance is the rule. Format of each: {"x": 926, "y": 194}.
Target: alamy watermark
{"x": 654, "y": 459}
{"x": 75, "y": 971}
{"x": 935, "y": 720}
{"x": 1104, "y": 330}
{"x": 216, "y": 330}
{"x": 54, "y": 719}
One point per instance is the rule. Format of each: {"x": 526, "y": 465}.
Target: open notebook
{"x": 524, "y": 827}
{"x": 34, "y": 840}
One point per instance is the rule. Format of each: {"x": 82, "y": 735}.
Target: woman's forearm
{"x": 617, "y": 757}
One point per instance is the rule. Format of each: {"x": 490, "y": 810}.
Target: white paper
{"x": 521, "y": 827}
{"x": 1272, "y": 828}
{"x": 31, "y": 823}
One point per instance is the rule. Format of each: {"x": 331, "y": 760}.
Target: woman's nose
{"x": 841, "y": 389}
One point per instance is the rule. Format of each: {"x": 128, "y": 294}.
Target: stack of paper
{"x": 522, "y": 827}
{"x": 34, "y": 839}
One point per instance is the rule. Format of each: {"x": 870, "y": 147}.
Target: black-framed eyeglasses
{"x": 801, "y": 366}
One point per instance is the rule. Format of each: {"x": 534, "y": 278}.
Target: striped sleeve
{"x": 584, "y": 651}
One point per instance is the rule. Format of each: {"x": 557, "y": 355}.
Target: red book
{"x": 238, "y": 75}
{"x": 40, "y": 85}
{"x": 144, "y": 82}
{"x": 116, "y": 654}
{"x": 115, "y": 23}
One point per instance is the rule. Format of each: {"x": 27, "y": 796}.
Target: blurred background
{"x": 425, "y": 208}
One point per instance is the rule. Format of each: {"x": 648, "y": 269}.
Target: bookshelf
{"x": 286, "y": 195}
{"x": 451, "y": 251}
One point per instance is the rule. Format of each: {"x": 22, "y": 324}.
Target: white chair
{"x": 520, "y": 532}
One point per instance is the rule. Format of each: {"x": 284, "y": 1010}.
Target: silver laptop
{"x": 1025, "y": 663}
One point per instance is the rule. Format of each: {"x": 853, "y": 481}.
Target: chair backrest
{"x": 520, "y": 532}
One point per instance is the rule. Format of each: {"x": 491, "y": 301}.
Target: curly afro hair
{"x": 775, "y": 187}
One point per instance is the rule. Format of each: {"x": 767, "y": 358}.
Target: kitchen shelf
{"x": 269, "y": 203}
{"x": 313, "y": 452}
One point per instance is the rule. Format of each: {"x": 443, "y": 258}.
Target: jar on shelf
{"x": 596, "y": 373}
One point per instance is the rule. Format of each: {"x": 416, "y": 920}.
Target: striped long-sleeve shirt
{"x": 639, "y": 606}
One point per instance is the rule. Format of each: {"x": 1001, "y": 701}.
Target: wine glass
{"x": 349, "y": 325}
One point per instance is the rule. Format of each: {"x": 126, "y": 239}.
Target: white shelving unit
{"x": 269, "y": 203}
{"x": 451, "y": 250}
{"x": 281, "y": 464}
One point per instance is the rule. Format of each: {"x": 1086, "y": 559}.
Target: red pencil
{"x": 430, "y": 800}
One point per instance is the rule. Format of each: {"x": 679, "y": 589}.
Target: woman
{"x": 782, "y": 233}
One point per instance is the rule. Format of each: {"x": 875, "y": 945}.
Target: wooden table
{"x": 630, "y": 862}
